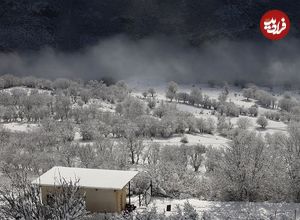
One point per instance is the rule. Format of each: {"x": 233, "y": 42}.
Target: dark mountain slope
{"x": 74, "y": 24}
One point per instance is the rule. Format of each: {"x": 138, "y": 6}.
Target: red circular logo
{"x": 275, "y": 24}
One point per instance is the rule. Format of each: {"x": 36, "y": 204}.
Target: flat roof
{"x": 87, "y": 178}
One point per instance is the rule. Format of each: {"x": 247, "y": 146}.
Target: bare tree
{"x": 23, "y": 201}
{"x": 241, "y": 172}
{"x": 196, "y": 155}
{"x": 87, "y": 155}
{"x": 290, "y": 151}
{"x": 85, "y": 95}
{"x": 134, "y": 144}
{"x": 152, "y": 92}
{"x": 62, "y": 106}
{"x": 88, "y": 130}
{"x": 152, "y": 154}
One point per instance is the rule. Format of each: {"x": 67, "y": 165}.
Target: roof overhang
{"x": 86, "y": 178}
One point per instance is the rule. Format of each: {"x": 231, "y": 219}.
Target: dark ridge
{"x": 73, "y": 24}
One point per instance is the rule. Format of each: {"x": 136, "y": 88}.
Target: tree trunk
{"x": 132, "y": 157}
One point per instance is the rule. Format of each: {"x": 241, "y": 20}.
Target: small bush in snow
{"x": 189, "y": 212}
{"x": 184, "y": 140}
{"x": 243, "y": 123}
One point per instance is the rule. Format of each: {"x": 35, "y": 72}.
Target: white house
{"x": 105, "y": 190}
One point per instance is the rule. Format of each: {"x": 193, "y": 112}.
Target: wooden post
{"x": 151, "y": 187}
{"x": 129, "y": 193}
{"x": 145, "y": 196}
{"x": 140, "y": 202}
{"x": 295, "y": 214}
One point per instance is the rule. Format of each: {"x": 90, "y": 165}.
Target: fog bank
{"x": 161, "y": 59}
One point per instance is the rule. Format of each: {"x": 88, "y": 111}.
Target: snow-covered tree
{"x": 243, "y": 123}
{"x": 62, "y": 106}
{"x": 22, "y": 200}
{"x": 152, "y": 92}
{"x": 224, "y": 125}
{"x": 61, "y": 83}
{"x": 189, "y": 212}
{"x": 85, "y": 95}
{"x": 265, "y": 99}
{"x": 152, "y": 154}
{"x": 262, "y": 121}
{"x": 145, "y": 94}
{"x": 290, "y": 151}
{"x": 151, "y": 102}
{"x": 132, "y": 108}
{"x": 287, "y": 103}
{"x": 195, "y": 153}
{"x": 253, "y": 111}
{"x": 172, "y": 90}
{"x": 183, "y": 97}
{"x": 248, "y": 93}
{"x": 195, "y": 97}
{"x": 241, "y": 171}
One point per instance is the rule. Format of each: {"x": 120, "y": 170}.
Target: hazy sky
{"x": 159, "y": 60}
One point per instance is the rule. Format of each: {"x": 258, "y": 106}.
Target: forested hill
{"x": 73, "y": 24}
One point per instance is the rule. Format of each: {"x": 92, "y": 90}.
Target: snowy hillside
{"x": 198, "y": 143}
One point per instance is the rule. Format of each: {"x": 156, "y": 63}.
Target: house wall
{"x": 121, "y": 195}
{"x": 97, "y": 200}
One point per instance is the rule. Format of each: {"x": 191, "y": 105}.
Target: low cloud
{"x": 161, "y": 59}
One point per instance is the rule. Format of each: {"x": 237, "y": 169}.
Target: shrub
{"x": 184, "y": 140}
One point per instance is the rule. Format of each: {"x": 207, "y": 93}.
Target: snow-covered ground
{"x": 102, "y": 105}
{"x": 27, "y": 90}
{"x": 234, "y": 96}
{"x": 20, "y": 127}
{"x": 213, "y": 140}
{"x": 228, "y": 210}
{"x": 273, "y": 126}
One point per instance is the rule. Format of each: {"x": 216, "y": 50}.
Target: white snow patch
{"x": 206, "y": 139}
{"x": 228, "y": 210}
{"x": 20, "y": 127}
